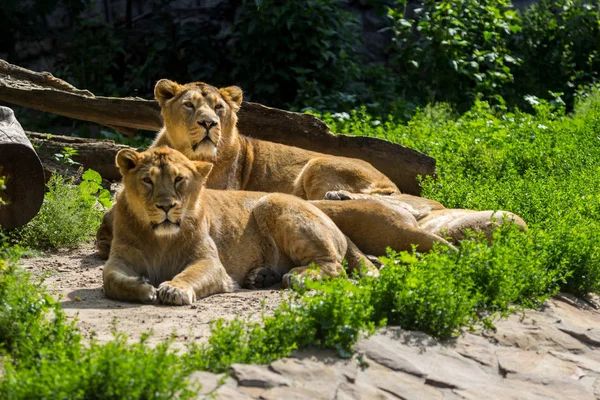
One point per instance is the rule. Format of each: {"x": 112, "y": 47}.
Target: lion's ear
{"x": 165, "y": 90}
{"x": 203, "y": 168}
{"x": 127, "y": 159}
{"x": 233, "y": 94}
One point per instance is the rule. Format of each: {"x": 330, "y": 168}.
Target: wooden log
{"x": 98, "y": 155}
{"x": 42, "y": 91}
{"x": 23, "y": 173}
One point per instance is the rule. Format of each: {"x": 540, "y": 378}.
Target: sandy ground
{"x": 75, "y": 278}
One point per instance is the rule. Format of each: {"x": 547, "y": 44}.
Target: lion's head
{"x": 162, "y": 187}
{"x": 198, "y": 116}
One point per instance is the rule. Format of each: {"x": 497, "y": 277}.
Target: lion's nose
{"x": 207, "y": 123}
{"x": 165, "y": 208}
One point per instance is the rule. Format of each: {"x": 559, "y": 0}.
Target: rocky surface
{"x": 552, "y": 353}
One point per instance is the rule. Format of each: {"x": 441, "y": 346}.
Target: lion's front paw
{"x": 176, "y": 294}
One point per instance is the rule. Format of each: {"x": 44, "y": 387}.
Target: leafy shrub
{"x": 559, "y": 48}
{"x": 453, "y": 50}
{"x": 69, "y": 214}
{"x": 544, "y": 167}
{"x": 293, "y": 52}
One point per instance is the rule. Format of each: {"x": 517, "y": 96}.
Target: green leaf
{"x": 91, "y": 175}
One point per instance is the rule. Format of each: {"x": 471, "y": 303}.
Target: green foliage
{"x": 2, "y": 187}
{"x": 559, "y": 46}
{"x": 69, "y": 214}
{"x": 66, "y": 156}
{"x": 543, "y": 167}
{"x": 43, "y": 356}
{"x": 453, "y": 50}
{"x": 293, "y": 52}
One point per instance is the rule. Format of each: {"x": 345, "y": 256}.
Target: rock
{"x": 523, "y": 364}
{"x": 441, "y": 367}
{"x": 209, "y": 381}
{"x": 360, "y": 391}
{"x": 589, "y": 336}
{"x": 312, "y": 375}
{"x": 257, "y": 376}
{"x": 292, "y": 393}
{"x": 384, "y": 351}
{"x": 476, "y": 348}
{"x": 525, "y": 390}
{"x": 401, "y": 385}
{"x": 227, "y": 393}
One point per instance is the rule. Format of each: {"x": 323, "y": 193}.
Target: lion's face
{"x": 198, "y": 116}
{"x": 162, "y": 187}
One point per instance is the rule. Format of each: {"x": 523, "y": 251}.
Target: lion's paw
{"x": 147, "y": 293}
{"x": 176, "y": 294}
{"x": 260, "y": 278}
{"x": 292, "y": 279}
{"x": 338, "y": 195}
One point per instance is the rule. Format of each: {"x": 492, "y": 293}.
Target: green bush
{"x": 559, "y": 48}
{"x": 453, "y": 50}
{"x": 70, "y": 214}
{"x": 544, "y": 167}
{"x": 293, "y": 52}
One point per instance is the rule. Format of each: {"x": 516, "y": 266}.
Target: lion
{"x": 200, "y": 121}
{"x": 176, "y": 241}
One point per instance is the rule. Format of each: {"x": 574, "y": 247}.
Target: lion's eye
{"x": 147, "y": 180}
{"x": 178, "y": 179}
{"x": 188, "y": 104}
{"x": 219, "y": 107}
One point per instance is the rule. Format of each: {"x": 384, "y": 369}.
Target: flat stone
{"x": 441, "y": 367}
{"x": 386, "y": 352}
{"x": 587, "y": 361}
{"x": 209, "y": 381}
{"x": 291, "y": 393}
{"x": 257, "y": 376}
{"x": 526, "y": 390}
{"x": 361, "y": 391}
{"x": 521, "y": 364}
{"x": 316, "y": 376}
{"x": 476, "y": 348}
{"x": 348, "y": 367}
{"x": 227, "y": 393}
{"x": 589, "y": 336}
{"x": 399, "y": 384}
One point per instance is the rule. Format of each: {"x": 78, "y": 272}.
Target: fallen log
{"x": 98, "y": 155}
{"x": 42, "y": 91}
{"x": 22, "y": 171}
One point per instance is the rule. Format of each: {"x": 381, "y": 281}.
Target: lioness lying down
{"x": 190, "y": 242}
{"x": 200, "y": 121}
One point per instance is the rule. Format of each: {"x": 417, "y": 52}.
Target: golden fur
{"x": 175, "y": 241}
{"x": 251, "y": 164}
{"x": 200, "y": 121}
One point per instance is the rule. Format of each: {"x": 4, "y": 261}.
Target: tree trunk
{"x": 23, "y": 173}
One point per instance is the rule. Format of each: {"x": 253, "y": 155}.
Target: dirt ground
{"x": 75, "y": 277}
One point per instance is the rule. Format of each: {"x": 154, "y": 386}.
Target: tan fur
{"x": 190, "y": 242}
{"x": 250, "y": 164}
{"x": 384, "y": 217}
